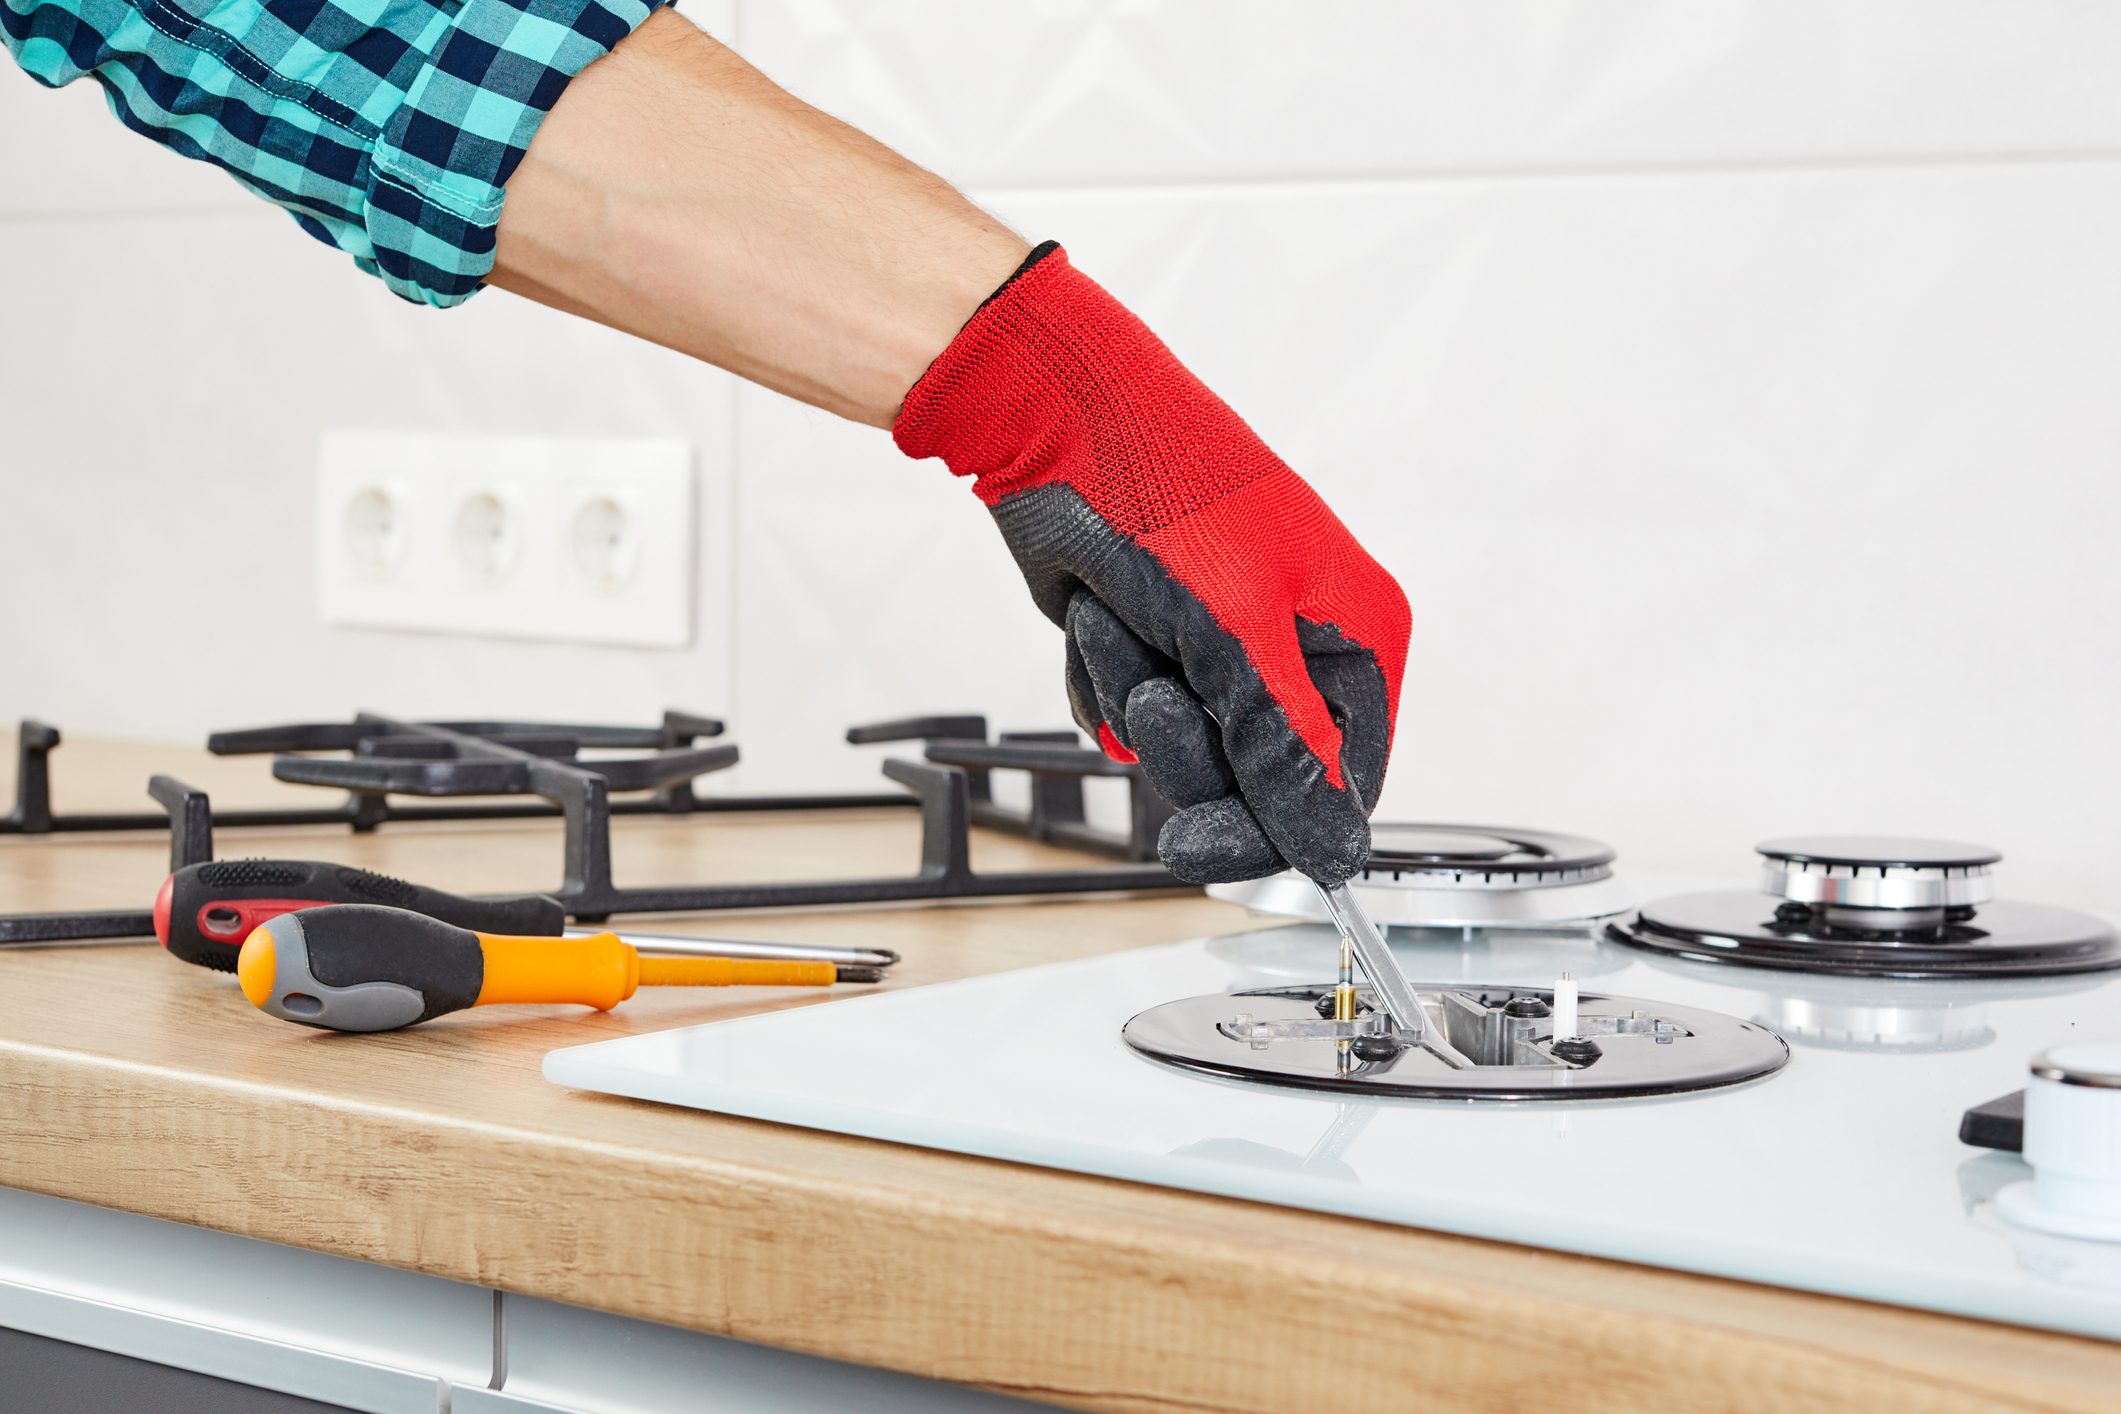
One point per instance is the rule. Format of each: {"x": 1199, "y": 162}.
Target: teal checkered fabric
{"x": 387, "y": 128}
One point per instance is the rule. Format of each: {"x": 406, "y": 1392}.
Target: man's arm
{"x": 610, "y": 160}
{"x": 1222, "y": 626}
{"x": 676, "y": 193}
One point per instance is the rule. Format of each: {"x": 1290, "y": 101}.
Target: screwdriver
{"x": 204, "y": 912}
{"x": 1361, "y": 938}
{"x": 363, "y": 967}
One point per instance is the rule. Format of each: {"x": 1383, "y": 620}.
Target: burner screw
{"x": 1577, "y": 1050}
{"x": 1526, "y": 1006}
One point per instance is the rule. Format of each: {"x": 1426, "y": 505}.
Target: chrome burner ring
{"x": 1863, "y": 877}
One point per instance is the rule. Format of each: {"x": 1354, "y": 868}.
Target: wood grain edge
{"x": 1076, "y": 1302}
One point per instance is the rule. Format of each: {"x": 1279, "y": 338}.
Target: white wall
{"x": 1732, "y": 385}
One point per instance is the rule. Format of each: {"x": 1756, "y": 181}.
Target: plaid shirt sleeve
{"x": 387, "y": 128}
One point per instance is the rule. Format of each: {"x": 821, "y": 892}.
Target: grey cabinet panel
{"x": 50, "y": 1376}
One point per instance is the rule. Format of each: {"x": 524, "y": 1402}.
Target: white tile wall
{"x": 1731, "y": 385}
{"x": 1728, "y": 506}
{"x": 62, "y": 152}
{"x": 1069, "y": 91}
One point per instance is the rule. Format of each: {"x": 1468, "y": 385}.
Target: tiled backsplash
{"x": 1731, "y": 385}
{"x": 1128, "y": 91}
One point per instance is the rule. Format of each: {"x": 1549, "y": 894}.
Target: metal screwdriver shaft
{"x": 748, "y": 971}
{"x": 680, "y": 945}
{"x": 1394, "y": 993}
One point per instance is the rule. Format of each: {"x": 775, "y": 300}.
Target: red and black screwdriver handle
{"x": 205, "y": 911}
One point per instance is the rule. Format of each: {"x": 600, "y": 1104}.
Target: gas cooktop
{"x": 1818, "y": 1145}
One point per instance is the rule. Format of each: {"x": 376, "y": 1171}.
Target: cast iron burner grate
{"x": 36, "y": 743}
{"x": 442, "y": 762}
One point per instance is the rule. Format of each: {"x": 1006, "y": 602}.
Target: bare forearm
{"x": 676, "y": 193}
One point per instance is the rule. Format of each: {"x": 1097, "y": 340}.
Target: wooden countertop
{"x": 133, "y": 1082}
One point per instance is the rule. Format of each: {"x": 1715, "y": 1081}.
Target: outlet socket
{"x": 573, "y": 540}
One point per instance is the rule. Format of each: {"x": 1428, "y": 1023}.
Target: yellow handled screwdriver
{"x": 363, "y": 967}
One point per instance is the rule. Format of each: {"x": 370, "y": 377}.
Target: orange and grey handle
{"x": 362, "y": 967}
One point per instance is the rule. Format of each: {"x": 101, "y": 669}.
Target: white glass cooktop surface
{"x": 1842, "y": 1173}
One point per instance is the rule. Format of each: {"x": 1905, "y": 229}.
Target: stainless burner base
{"x": 1484, "y": 1043}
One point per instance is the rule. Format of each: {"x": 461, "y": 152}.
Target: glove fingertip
{"x": 1332, "y": 850}
{"x": 1177, "y": 742}
{"x": 1217, "y": 843}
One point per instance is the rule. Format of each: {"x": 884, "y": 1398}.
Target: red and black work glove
{"x": 1222, "y": 625}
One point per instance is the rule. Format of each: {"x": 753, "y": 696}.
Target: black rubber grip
{"x": 357, "y": 943}
{"x": 207, "y": 922}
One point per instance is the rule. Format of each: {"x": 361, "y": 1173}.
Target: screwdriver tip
{"x": 859, "y": 974}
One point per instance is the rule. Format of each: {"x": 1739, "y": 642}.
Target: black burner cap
{"x": 1426, "y": 848}
{"x": 1873, "y": 851}
{"x": 1429, "y": 843}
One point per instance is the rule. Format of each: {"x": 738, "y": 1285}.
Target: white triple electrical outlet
{"x": 578, "y": 540}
